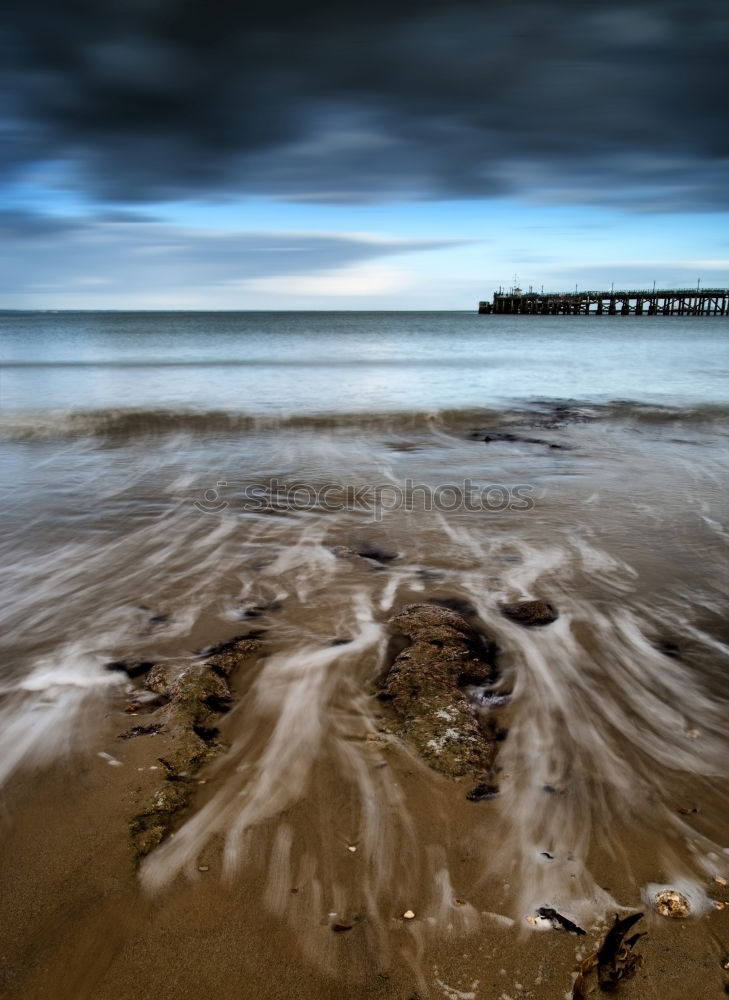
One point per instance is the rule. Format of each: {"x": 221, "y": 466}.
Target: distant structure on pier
{"x": 676, "y": 302}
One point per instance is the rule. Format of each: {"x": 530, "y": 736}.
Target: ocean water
{"x": 294, "y": 363}
{"x": 167, "y": 476}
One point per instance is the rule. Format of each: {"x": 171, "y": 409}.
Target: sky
{"x": 205, "y": 154}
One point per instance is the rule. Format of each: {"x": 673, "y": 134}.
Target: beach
{"x": 214, "y": 525}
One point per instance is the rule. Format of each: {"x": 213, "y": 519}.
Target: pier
{"x": 643, "y": 302}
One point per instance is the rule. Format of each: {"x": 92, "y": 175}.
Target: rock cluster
{"x": 196, "y": 694}
{"x": 425, "y": 686}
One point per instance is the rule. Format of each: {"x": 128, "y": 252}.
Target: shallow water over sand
{"x": 152, "y": 536}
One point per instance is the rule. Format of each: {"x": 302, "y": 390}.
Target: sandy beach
{"x": 237, "y": 763}
{"x": 78, "y": 923}
{"x": 364, "y": 521}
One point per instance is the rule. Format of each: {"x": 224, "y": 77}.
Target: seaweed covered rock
{"x": 425, "y": 688}
{"x": 150, "y": 827}
{"x": 196, "y": 694}
{"x": 530, "y": 612}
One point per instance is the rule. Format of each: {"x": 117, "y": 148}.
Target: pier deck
{"x": 676, "y": 302}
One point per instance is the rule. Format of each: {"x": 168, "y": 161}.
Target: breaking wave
{"x": 128, "y": 423}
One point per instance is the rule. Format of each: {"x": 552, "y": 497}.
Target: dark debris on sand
{"x": 613, "y": 963}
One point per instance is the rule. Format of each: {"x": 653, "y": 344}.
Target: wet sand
{"x": 610, "y": 771}
{"x": 77, "y": 923}
{"x": 81, "y": 921}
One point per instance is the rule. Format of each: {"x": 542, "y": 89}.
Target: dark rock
{"x": 530, "y": 612}
{"x": 376, "y": 553}
{"x": 482, "y": 792}
{"x": 423, "y": 688}
{"x": 132, "y": 668}
{"x": 340, "y": 642}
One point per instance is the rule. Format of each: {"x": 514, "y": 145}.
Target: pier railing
{"x": 633, "y": 302}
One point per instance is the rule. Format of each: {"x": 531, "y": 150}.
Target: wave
{"x": 123, "y": 423}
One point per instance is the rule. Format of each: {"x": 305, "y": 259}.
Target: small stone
{"x": 202, "y": 781}
{"x": 352, "y": 849}
{"x": 719, "y": 880}
{"x": 530, "y": 612}
{"x": 719, "y": 904}
{"x": 408, "y": 915}
{"x": 671, "y": 903}
{"x": 203, "y": 868}
{"x": 377, "y": 554}
{"x": 482, "y": 793}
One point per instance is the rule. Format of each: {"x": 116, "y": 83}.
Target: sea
{"x": 172, "y": 479}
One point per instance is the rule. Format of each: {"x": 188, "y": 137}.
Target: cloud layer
{"x": 69, "y": 261}
{"x": 559, "y": 101}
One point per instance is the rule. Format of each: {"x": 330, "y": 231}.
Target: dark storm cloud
{"x": 329, "y": 101}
